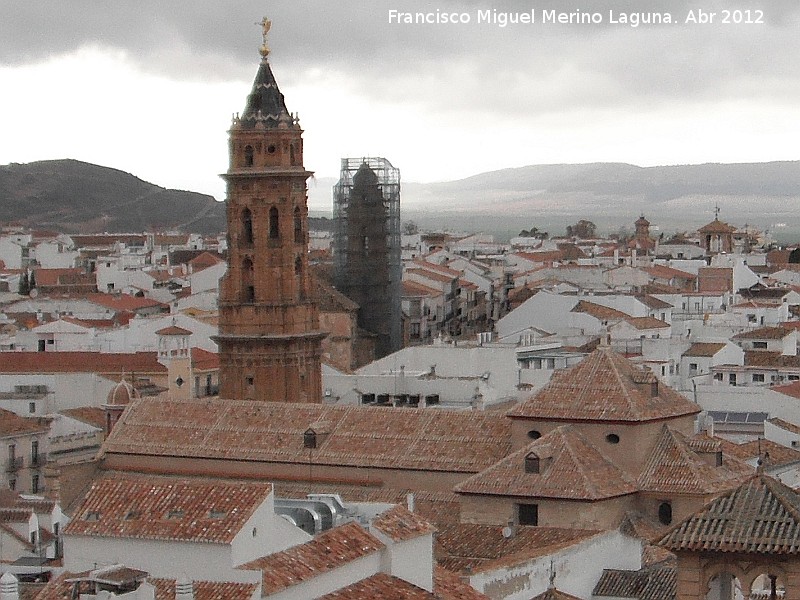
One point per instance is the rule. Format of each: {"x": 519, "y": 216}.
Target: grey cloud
{"x": 475, "y": 68}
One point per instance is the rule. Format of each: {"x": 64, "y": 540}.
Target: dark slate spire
{"x": 265, "y": 102}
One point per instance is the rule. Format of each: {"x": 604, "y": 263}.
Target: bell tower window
{"x": 247, "y": 226}
{"x": 274, "y": 230}
{"x": 298, "y": 226}
{"x": 248, "y": 156}
{"x": 248, "y": 289}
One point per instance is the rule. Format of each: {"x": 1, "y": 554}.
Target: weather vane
{"x": 266, "y": 24}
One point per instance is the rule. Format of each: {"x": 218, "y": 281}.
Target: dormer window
{"x": 532, "y": 463}
{"x": 310, "y": 439}
{"x": 175, "y": 514}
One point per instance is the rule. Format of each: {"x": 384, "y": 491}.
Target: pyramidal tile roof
{"x": 676, "y": 465}
{"x": 761, "y": 516}
{"x": 568, "y": 467}
{"x": 605, "y": 386}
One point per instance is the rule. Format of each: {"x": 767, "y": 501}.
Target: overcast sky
{"x": 149, "y": 86}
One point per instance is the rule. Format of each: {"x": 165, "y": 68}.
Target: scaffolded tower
{"x": 366, "y": 246}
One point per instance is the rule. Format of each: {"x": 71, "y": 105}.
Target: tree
{"x": 534, "y": 232}
{"x": 794, "y": 256}
{"x": 24, "y": 285}
{"x": 583, "y": 229}
{"x": 410, "y": 228}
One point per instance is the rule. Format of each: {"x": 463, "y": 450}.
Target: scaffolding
{"x": 366, "y": 246}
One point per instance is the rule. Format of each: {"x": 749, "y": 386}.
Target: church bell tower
{"x": 269, "y": 338}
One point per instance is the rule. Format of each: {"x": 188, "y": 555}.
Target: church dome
{"x": 122, "y": 394}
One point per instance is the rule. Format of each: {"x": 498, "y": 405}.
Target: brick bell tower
{"x": 269, "y": 338}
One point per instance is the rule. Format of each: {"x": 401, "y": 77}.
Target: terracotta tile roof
{"x": 674, "y": 467}
{"x": 647, "y": 323}
{"x": 646, "y": 584}
{"x": 704, "y": 349}
{"x": 791, "y": 389}
{"x": 80, "y": 362}
{"x": 107, "y": 240}
{"x": 461, "y": 546}
{"x": 434, "y": 275}
{"x": 603, "y": 387}
{"x": 399, "y": 524}
{"x": 763, "y": 333}
{"x": 60, "y": 589}
{"x": 156, "y": 508}
{"x": 662, "y": 272}
{"x": 205, "y": 260}
{"x": 439, "y": 440}
{"x": 570, "y": 468}
{"x": 439, "y": 268}
{"x": 12, "y": 425}
{"x": 121, "y": 302}
{"x": 554, "y": 594}
{"x": 716, "y": 226}
{"x": 449, "y": 586}
{"x": 173, "y": 330}
{"x": 206, "y": 590}
{"x": 412, "y": 288}
{"x": 92, "y": 415}
{"x": 764, "y": 358}
{"x": 774, "y": 454}
{"x": 380, "y": 585}
{"x": 543, "y": 256}
{"x": 203, "y": 360}
{"x": 761, "y": 516}
{"x": 54, "y": 277}
{"x": 599, "y": 312}
{"x": 641, "y": 526}
{"x": 653, "y": 302}
{"x": 330, "y": 550}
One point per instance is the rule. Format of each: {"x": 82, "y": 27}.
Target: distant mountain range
{"x": 79, "y": 197}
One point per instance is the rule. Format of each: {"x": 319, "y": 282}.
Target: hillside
{"x": 79, "y": 197}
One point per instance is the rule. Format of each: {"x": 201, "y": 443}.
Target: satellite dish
{"x": 508, "y": 532}
{"x": 33, "y": 293}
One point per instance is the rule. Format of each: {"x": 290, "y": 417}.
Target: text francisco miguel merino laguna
{"x": 575, "y": 17}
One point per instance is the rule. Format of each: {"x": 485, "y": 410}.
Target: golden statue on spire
{"x": 266, "y": 25}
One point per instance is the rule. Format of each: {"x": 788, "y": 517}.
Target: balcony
{"x": 14, "y": 464}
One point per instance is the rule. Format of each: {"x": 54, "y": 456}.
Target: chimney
{"x": 410, "y": 501}
{"x": 184, "y": 589}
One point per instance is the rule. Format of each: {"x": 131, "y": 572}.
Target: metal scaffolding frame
{"x": 366, "y": 245}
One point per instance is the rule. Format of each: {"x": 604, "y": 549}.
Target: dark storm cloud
{"x": 480, "y": 68}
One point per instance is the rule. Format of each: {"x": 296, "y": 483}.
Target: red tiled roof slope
{"x": 399, "y": 524}
{"x": 761, "y": 516}
{"x": 576, "y": 471}
{"x": 674, "y": 468}
{"x": 603, "y": 387}
{"x": 148, "y": 507}
{"x": 328, "y": 551}
{"x": 439, "y": 440}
